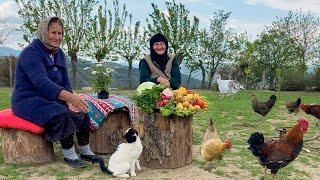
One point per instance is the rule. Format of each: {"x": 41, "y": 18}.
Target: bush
{"x": 293, "y": 80}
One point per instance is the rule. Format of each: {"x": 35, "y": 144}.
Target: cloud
{"x": 252, "y": 28}
{"x": 204, "y": 19}
{"x": 9, "y": 9}
{"x": 304, "y": 5}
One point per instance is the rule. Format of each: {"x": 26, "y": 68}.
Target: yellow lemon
{"x": 196, "y": 96}
{"x": 179, "y": 106}
{"x": 190, "y": 96}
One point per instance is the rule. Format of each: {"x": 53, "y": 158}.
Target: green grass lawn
{"x": 235, "y": 120}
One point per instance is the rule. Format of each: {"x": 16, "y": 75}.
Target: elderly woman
{"x": 159, "y": 66}
{"x": 43, "y": 95}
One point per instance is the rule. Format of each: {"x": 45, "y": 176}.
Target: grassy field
{"x": 235, "y": 120}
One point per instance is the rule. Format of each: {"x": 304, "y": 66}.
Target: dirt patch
{"x": 240, "y": 117}
{"x": 314, "y": 173}
{"x": 192, "y": 171}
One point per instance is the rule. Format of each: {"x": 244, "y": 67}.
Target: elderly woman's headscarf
{"x": 160, "y": 60}
{"x": 42, "y": 32}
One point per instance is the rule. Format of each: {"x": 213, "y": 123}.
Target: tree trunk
{"x": 74, "y": 61}
{"x": 24, "y": 147}
{"x": 189, "y": 76}
{"x": 203, "y": 82}
{"x": 167, "y": 141}
{"x": 130, "y": 74}
{"x": 110, "y": 134}
{"x": 211, "y": 73}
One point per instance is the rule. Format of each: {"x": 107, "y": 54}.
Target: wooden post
{"x": 24, "y": 147}
{"x": 10, "y": 71}
{"x": 110, "y": 134}
{"x": 167, "y": 141}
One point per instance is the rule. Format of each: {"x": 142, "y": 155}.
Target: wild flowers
{"x": 101, "y": 77}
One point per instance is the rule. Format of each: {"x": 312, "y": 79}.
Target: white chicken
{"x": 228, "y": 87}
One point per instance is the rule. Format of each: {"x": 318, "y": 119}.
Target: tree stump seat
{"x": 25, "y": 147}
{"x": 23, "y": 142}
{"x": 167, "y": 141}
{"x": 109, "y": 135}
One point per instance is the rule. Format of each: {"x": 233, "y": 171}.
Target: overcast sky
{"x": 246, "y": 15}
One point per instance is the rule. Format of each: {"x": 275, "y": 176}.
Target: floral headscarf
{"x": 42, "y": 32}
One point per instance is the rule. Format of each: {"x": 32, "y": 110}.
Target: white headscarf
{"x": 42, "y": 32}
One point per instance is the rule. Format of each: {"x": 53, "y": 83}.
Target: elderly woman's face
{"x": 159, "y": 47}
{"x": 55, "y": 35}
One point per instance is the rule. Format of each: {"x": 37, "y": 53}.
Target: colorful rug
{"x": 101, "y": 108}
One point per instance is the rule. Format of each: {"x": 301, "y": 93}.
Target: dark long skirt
{"x": 64, "y": 125}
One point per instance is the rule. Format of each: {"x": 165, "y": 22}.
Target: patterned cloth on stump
{"x": 101, "y": 108}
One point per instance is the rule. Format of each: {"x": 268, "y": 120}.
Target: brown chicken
{"x": 211, "y": 133}
{"x": 313, "y": 110}
{"x": 277, "y": 154}
{"x": 293, "y": 106}
{"x": 212, "y": 147}
{"x": 263, "y": 108}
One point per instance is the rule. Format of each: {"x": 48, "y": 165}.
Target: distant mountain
{"x": 6, "y": 51}
{"x": 183, "y": 69}
{"x": 120, "y": 76}
{"x": 121, "y": 71}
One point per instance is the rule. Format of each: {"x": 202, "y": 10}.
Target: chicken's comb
{"x": 229, "y": 144}
{"x": 304, "y": 122}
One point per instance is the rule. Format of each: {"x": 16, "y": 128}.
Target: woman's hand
{"x": 74, "y": 101}
{"x": 163, "y": 81}
{"x": 79, "y": 103}
{"x": 71, "y": 108}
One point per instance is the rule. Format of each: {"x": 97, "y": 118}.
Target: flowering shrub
{"x": 101, "y": 77}
{"x": 180, "y": 102}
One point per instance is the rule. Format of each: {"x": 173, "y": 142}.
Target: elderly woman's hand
{"x": 74, "y": 101}
{"x": 163, "y": 81}
{"x": 78, "y": 103}
{"x": 71, "y": 108}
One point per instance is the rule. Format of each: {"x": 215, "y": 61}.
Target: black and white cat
{"x": 125, "y": 158}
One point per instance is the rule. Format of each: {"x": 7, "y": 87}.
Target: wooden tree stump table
{"x": 25, "y": 147}
{"x": 110, "y": 134}
{"x": 167, "y": 141}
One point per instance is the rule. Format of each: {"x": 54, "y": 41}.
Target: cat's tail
{"x": 102, "y": 165}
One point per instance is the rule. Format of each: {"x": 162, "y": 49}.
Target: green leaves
{"x": 176, "y": 26}
{"x": 148, "y": 98}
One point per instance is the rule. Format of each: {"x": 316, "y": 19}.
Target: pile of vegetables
{"x": 181, "y": 102}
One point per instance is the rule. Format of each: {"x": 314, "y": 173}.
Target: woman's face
{"x": 159, "y": 47}
{"x": 55, "y": 35}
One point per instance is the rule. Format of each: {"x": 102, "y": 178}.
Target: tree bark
{"x": 74, "y": 61}
{"x": 110, "y": 134}
{"x": 24, "y": 147}
{"x": 167, "y": 141}
{"x": 189, "y": 76}
{"x": 264, "y": 79}
{"x": 130, "y": 74}
{"x": 203, "y": 82}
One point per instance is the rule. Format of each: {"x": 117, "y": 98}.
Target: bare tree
{"x": 5, "y": 30}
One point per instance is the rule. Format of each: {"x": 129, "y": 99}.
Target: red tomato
{"x": 201, "y": 103}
